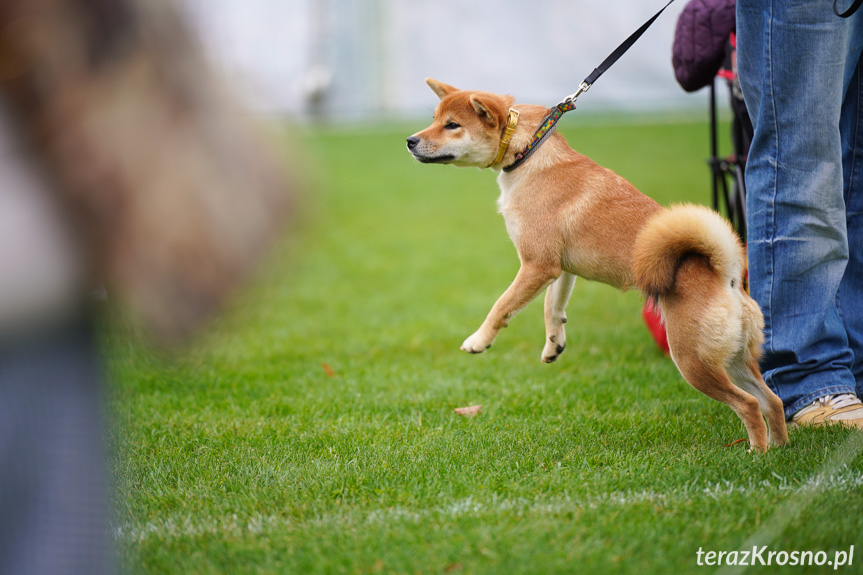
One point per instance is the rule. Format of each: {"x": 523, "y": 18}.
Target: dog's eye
{"x": 452, "y": 126}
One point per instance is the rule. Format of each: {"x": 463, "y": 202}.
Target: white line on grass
{"x": 795, "y": 503}
{"x": 833, "y": 477}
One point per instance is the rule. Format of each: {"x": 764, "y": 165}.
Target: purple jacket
{"x": 699, "y": 41}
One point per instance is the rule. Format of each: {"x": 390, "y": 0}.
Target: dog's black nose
{"x": 412, "y": 142}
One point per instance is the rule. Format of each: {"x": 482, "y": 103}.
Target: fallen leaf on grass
{"x": 470, "y": 411}
{"x": 328, "y": 369}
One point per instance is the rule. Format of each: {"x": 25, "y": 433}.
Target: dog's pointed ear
{"x": 486, "y": 109}
{"x": 440, "y": 88}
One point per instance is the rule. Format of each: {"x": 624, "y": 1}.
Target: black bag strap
{"x": 847, "y": 12}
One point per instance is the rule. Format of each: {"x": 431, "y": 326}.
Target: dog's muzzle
{"x": 413, "y": 142}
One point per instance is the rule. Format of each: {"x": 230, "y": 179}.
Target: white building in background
{"x": 367, "y": 59}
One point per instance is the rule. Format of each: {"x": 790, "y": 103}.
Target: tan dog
{"x": 568, "y": 217}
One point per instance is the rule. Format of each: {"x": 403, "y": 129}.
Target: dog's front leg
{"x": 556, "y": 298}
{"x": 530, "y": 280}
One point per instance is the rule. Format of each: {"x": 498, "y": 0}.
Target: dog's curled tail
{"x": 680, "y": 232}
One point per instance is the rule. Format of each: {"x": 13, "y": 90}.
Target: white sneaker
{"x": 844, "y": 408}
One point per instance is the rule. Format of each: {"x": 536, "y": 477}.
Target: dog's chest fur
{"x": 508, "y": 209}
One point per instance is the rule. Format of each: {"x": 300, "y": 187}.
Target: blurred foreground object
{"x": 123, "y": 162}
{"x": 171, "y": 193}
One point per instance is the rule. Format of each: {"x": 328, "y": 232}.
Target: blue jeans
{"x": 800, "y": 71}
{"x": 53, "y": 493}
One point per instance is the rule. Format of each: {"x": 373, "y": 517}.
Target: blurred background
{"x": 366, "y": 60}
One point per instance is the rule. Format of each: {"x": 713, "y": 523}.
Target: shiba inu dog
{"x": 569, "y": 217}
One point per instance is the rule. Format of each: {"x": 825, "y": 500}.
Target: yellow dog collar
{"x": 511, "y": 123}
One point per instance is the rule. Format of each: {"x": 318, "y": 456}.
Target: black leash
{"x": 548, "y": 124}
{"x": 847, "y": 12}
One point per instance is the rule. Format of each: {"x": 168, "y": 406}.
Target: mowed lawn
{"x": 311, "y": 429}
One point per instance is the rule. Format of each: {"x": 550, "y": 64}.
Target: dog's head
{"x": 466, "y": 130}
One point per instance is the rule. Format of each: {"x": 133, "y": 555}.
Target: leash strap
{"x": 549, "y": 123}
{"x": 546, "y": 128}
{"x": 847, "y": 12}
{"x": 621, "y": 50}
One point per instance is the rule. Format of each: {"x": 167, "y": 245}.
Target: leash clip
{"x": 582, "y": 88}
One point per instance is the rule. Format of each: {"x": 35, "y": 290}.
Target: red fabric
{"x": 653, "y": 320}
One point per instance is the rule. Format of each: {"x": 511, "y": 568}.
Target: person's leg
{"x": 791, "y": 62}
{"x": 849, "y": 300}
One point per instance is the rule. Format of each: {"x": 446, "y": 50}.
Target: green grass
{"x": 247, "y": 456}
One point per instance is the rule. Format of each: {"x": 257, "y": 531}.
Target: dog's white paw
{"x": 477, "y": 343}
{"x": 554, "y": 346}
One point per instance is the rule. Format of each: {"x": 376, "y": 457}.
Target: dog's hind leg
{"x": 715, "y": 383}
{"x": 747, "y": 376}
{"x": 556, "y": 298}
